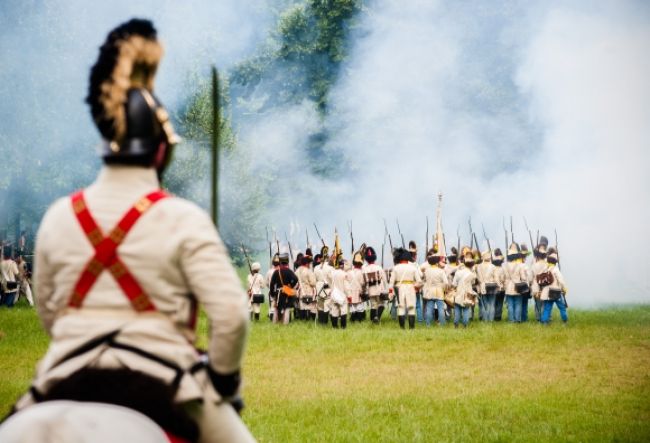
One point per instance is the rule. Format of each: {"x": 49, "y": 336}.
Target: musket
{"x": 319, "y": 236}
{"x": 505, "y": 232}
{"x": 486, "y": 239}
{"x": 216, "y": 120}
{"x": 248, "y": 260}
{"x": 557, "y": 250}
{"x": 307, "y": 237}
{"x": 400, "y": 232}
{"x": 351, "y": 237}
{"x": 289, "y": 243}
{"x": 426, "y": 237}
{"x": 471, "y": 234}
{"x": 512, "y": 234}
{"x": 387, "y": 234}
{"x": 530, "y": 235}
{"x": 268, "y": 239}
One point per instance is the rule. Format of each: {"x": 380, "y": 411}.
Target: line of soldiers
{"x": 329, "y": 288}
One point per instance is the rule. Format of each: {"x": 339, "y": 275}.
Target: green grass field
{"x": 492, "y": 382}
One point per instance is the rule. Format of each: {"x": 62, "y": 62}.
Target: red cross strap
{"x": 106, "y": 256}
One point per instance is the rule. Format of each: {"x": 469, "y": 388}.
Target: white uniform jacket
{"x": 177, "y": 256}
{"x": 374, "y": 279}
{"x": 435, "y": 282}
{"x": 307, "y": 281}
{"x": 558, "y": 281}
{"x": 463, "y": 281}
{"x": 515, "y": 272}
{"x": 486, "y": 273}
{"x": 256, "y": 283}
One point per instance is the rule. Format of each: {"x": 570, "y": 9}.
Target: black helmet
{"x": 134, "y": 124}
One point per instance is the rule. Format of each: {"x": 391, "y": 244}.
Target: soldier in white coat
{"x": 374, "y": 278}
{"x": 465, "y": 298}
{"x": 10, "y": 279}
{"x": 405, "y": 280}
{"x": 323, "y": 273}
{"x": 357, "y": 289}
{"x": 487, "y": 280}
{"x": 339, "y": 295}
{"x": 307, "y": 288}
{"x": 122, "y": 266}
{"x": 537, "y": 268}
{"x": 25, "y": 287}
{"x": 516, "y": 282}
{"x": 555, "y": 293}
{"x": 500, "y": 277}
{"x": 256, "y": 285}
{"x": 435, "y": 284}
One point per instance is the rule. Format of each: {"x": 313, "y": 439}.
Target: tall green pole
{"x": 215, "y": 147}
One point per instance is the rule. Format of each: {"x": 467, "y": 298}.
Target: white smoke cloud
{"x": 535, "y": 110}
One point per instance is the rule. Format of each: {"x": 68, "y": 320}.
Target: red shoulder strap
{"x": 106, "y": 256}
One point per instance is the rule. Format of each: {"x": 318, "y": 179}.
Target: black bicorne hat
{"x": 371, "y": 255}
{"x": 131, "y": 120}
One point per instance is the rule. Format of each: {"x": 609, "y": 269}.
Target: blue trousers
{"x": 514, "y": 308}
{"x": 548, "y": 307}
{"x": 524, "y": 308}
{"x": 429, "y": 307}
{"x": 9, "y": 298}
{"x": 489, "y": 301}
{"x": 498, "y": 305}
{"x": 463, "y": 312}
{"x": 418, "y": 307}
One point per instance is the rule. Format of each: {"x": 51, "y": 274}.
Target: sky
{"x": 509, "y": 108}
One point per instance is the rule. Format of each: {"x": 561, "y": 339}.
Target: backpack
{"x": 544, "y": 278}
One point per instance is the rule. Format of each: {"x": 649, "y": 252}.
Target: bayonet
{"x": 400, "y": 232}
{"x": 530, "y": 234}
{"x": 486, "y": 239}
{"x": 319, "y": 236}
{"x": 248, "y": 260}
{"x": 426, "y": 238}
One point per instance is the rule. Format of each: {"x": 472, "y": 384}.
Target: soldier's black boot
{"x": 344, "y": 321}
{"x": 312, "y": 316}
{"x": 411, "y": 321}
{"x": 402, "y": 321}
{"x": 373, "y": 316}
{"x": 362, "y": 315}
{"x": 335, "y": 322}
{"x": 379, "y": 312}
{"x": 257, "y": 316}
{"x": 322, "y": 317}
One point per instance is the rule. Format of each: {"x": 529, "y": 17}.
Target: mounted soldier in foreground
{"x": 121, "y": 267}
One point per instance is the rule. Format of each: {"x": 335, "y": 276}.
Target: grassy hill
{"x": 588, "y": 381}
